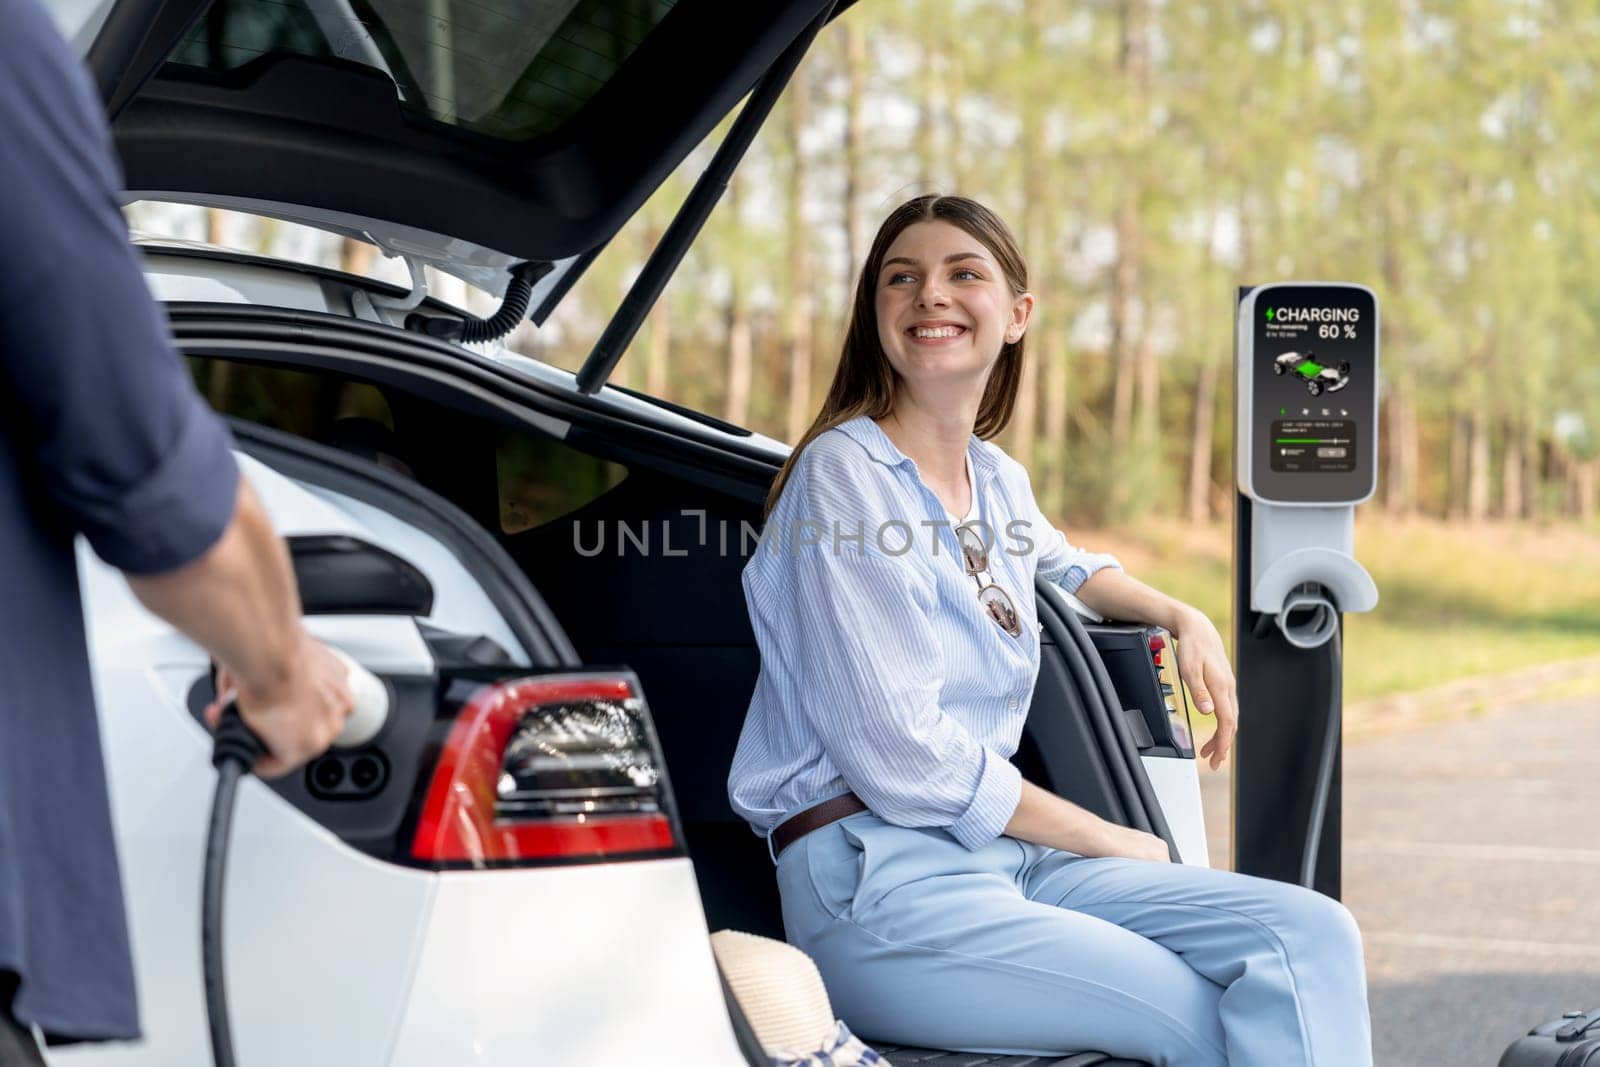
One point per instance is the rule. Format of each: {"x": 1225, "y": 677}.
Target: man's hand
{"x": 1203, "y": 667}
{"x": 299, "y": 716}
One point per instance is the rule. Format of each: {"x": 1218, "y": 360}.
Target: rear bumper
{"x": 607, "y": 963}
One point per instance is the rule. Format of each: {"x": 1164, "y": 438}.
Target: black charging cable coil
{"x": 519, "y": 291}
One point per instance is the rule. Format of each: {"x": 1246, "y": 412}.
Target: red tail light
{"x": 562, "y": 767}
{"x": 1157, "y": 643}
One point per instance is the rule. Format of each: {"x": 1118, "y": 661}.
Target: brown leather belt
{"x": 815, "y": 817}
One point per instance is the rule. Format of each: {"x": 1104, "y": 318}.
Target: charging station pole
{"x": 1305, "y": 446}
{"x": 1275, "y": 755}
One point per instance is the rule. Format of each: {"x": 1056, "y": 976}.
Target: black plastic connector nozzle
{"x": 235, "y": 741}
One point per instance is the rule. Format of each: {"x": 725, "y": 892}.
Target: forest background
{"x": 1152, "y": 157}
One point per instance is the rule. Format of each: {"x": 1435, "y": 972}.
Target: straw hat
{"x": 779, "y": 989}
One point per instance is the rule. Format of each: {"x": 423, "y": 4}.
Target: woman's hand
{"x": 1203, "y": 667}
{"x": 1132, "y": 844}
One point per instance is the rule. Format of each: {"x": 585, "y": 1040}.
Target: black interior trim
{"x": 450, "y": 374}
{"x": 332, "y": 135}
{"x": 135, "y": 37}
{"x": 686, "y": 412}
{"x": 343, "y": 575}
{"x": 1125, "y": 754}
{"x": 1121, "y": 757}
{"x": 1054, "y": 615}
{"x": 1061, "y": 750}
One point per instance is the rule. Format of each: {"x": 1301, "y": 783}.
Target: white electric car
{"x": 542, "y": 568}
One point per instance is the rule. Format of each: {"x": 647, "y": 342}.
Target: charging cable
{"x": 1323, "y": 784}
{"x": 1309, "y": 621}
{"x": 235, "y": 750}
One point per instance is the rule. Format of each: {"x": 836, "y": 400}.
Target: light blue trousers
{"x": 1018, "y": 948}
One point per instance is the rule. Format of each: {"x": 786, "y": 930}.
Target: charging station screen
{"x": 1314, "y": 399}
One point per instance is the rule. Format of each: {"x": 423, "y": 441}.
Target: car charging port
{"x": 348, "y": 775}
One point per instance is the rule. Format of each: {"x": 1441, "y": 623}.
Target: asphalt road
{"x": 1472, "y": 863}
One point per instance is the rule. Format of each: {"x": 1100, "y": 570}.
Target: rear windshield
{"x": 506, "y": 69}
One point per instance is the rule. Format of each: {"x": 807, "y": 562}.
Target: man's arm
{"x": 239, "y": 602}
{"x": 101, "y": 411}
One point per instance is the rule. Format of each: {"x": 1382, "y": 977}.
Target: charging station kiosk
{"x": 1305, "y": 445}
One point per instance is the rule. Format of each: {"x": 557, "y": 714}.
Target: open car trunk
{"x": 632, "y": 540}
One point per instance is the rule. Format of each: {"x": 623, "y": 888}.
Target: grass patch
{"x": 1457, "y": 600}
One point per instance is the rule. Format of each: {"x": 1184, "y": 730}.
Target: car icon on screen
{"x": 1319, "y": 379}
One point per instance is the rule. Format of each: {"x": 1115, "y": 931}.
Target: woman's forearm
{"x": 1116, "y": 594}
{"x": 1203, "y": 659}
{"x": 1046, "y": 819}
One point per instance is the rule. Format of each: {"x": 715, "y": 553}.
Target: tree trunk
{"x": 1147, "y": 418}
{"x": 736, "y": 406}
{"x": 800, "y": 409}
{"x": 1025, "y": 418}
{"x": 1511, "y": 497}
{"x": 741, "y": 350}
{"x": 1530, "y": 466}
{"x": 1205, "y": 405}
{"x": 855, "y": 59}
{"x": 658, "y": 358}
{"x": 1587, "y": 476}
{"x": 1134, "y": 66}
{"x": 930, "y": 91}
{"x": 954, "y": 91}
{"x": 1403, "y": 447}
{"x": 356, "y": 257}
{"x": 1056, "y": 370}
{"x": 1460, "y": 446}
{"x": 1478, "y": 467}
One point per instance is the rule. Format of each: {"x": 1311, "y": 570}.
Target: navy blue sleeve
{"x": 99, "y": 400}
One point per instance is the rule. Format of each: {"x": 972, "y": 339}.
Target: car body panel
{"x": 1177, "y": 787}
{"x": 594, "y": 964}
{"x": 337, "y": 964}
{"x": 334, "y": 956}
{"x": 206, "y": 279}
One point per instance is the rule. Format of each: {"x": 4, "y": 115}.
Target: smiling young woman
{"x": 946, "y": 901}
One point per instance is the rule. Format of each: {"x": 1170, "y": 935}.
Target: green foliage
{"x": 1457, "y": 601}
{"x": 1153, "y": 156}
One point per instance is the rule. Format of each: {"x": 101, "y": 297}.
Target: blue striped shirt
{"x": 881, "y": 673}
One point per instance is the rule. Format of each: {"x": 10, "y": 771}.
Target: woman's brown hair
{"x": 864, "y": 382}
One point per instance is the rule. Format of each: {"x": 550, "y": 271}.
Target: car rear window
{"x": 506, "y": 69}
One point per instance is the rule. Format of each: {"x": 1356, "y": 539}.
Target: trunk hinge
{"x": 370, "y": 306}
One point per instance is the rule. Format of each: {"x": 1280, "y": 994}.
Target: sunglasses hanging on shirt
{"x": 995, "y": 600}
